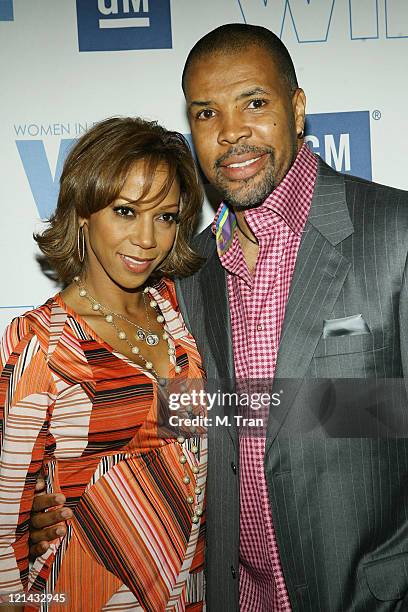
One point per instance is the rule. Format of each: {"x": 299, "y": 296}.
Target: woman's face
{"x": 127, "y": 241}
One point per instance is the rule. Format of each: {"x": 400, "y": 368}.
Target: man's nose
{"x": 233, "y": 128}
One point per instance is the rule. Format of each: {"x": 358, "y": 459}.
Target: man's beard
{"x": 252, "y": 191}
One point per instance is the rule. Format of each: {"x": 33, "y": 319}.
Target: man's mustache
{"x": 241, "y": 150}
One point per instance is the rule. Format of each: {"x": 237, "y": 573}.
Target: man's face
{"x": 244, "y": 122}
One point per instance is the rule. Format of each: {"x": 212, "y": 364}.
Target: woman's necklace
{"x": 110, "y": 315}
{"x": 141, "y": 334}
{"x": 193, "y": 499}
{"x": 147, "y": 335}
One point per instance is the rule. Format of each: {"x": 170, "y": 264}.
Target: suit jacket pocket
{"x": 345, "y": 326}
{"x": 387, "y": 578}
{"x": 355, "y": 343}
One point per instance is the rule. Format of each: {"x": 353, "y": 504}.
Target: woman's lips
{"x": 135, "y": 264}
{"x": 243, "y": 167}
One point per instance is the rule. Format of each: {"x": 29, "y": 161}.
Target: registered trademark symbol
{"x": 376, "y": 114}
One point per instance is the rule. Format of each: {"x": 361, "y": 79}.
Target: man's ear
{"x": 299, "y": 111}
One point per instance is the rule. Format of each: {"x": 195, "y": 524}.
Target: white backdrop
{"x": 350, "y": 55}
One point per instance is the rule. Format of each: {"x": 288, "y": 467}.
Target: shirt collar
{"x": 290, "y": 200}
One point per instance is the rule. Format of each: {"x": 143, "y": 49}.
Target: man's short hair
{"x": 234, "y": 37}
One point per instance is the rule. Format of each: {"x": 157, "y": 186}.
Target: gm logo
{"x": 119, "y": 25}
{"x": 6, "y": 10}
{"x": 341, "y": 139}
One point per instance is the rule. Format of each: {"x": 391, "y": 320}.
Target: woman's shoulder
{"x": 167, "y": 290}
{"x": 44, "y": 316}
{"x": 38, "y": 323}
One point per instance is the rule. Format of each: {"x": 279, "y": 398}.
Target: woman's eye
{"x": 170, "y": 217}
{"x": 257, "y": 103}
{"x": 123, "y": 211}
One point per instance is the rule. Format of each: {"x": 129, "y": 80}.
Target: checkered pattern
{"x": 257, "y": 305}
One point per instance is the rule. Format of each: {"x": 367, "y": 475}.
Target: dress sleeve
{"x": 27, "y": 392}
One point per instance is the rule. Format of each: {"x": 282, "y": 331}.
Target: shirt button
{"x": 233, "y": 572}
{"x": 233, "y": 467}
{"x": 259, "y": 327}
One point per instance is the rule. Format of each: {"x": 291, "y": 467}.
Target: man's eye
{"x": 206, "y": 113}
{"x": 170, "y": 217}
{"x": 123, "y": 211}
{"x": 257, "y": 103}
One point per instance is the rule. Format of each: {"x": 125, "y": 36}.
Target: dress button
{"x": 259, "y": 327}
{"x": 233, "y": 572}
{"x": 233, "y": 467}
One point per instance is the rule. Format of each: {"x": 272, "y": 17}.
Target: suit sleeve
{"x": 403, "y": 323}
{"x": 27, "y": 393}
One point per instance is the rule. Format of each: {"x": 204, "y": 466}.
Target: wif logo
{"x": 119, "y": 25}
{"x": 312, "y": 22}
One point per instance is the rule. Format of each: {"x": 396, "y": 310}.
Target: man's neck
{"x": 248, "y": 242}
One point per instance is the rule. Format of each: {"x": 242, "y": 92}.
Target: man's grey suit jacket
{"x": 339, "y": 499}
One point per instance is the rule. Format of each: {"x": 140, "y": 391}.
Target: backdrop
{"x": 66, "y": 64}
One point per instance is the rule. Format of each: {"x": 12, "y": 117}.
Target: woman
{"x": 84, "y": 383}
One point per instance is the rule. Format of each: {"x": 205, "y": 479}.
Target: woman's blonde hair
{"x": 93, "y": 176}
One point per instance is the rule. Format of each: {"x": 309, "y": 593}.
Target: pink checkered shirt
{"x": 257, "y": 304}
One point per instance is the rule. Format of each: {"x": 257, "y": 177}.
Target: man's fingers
{"x": 44, "y": 502}
{"x": 40, "y": 485}
{"x": 44, "y": 536}
{"x": 36, "y": 550}
{"x": 47, "y": 526}
{"x": 39, "y": 549}
{"x": 41, "y": 520}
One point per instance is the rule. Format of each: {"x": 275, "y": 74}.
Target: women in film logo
{"x": 341, "y": 139}
{"x": 118, "y": 25}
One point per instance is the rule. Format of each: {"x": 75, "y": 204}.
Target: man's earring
{"x": 81, "y": 244}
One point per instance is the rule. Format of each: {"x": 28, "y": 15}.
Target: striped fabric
{"x": 88, "y": 416}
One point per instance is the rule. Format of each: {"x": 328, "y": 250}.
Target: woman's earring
{"x": 81, "y": 244}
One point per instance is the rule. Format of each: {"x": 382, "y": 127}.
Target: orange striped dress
{"x": 88, "y": 416}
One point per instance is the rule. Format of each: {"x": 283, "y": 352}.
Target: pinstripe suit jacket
{"x": 339, "y": 502}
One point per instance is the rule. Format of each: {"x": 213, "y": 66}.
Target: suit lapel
{"x": 213, "y": 284}
{"x": 203, "y": 302}
{"x": 318, "y": 277}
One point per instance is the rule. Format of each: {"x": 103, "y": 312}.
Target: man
{"x": 304, "y": 280}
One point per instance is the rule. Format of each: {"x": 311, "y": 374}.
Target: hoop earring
{"x": 81, "y": 244}
{"x": 300, "y": 134}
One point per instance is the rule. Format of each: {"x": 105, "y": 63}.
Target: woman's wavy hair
{"x": 93, "y": 176}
